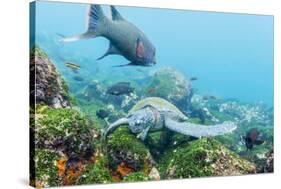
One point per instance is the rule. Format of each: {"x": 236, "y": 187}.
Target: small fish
{"x": 253, "y": 137}
{"x": 72, "y": 65}
{"x": 102, "y": 114}
{"x": 209, "y": 97}
{"x": 120, "y": 88}
{"x": 125, "y": 38}
{"x": 151, "y": 90}
{"x": 193, "y": 79}
{"x": 140, "y": 70}
{"x": 78, "y": 78}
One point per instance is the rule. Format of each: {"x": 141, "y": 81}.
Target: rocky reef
{"x": 69, "y": 148}
{"x": 204, "y": 157}
{"x": 128, "y": 155}
{"x": 172, "y": 85}
{"x": 50, "y": 87}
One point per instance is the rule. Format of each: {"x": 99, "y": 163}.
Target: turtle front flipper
{"x": 114, "y": 126}
{"x": 143, "y": 134}
{"x": 199, "y": 131}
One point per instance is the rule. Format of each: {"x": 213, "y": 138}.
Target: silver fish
{"x": 125, "y": 38}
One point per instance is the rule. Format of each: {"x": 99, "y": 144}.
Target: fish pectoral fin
{"x": 115, "y": 14}
{"x": 111, "y": 50}
{"x": 130, "y": 64}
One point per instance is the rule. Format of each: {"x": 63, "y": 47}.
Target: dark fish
{"x": 125, "y": 38}
{"x": 141, "y": 71}
{"x": 253, "y": 137}
{"x": 78, "y": 78}
{"x": 209, "y": 97}
{"x": 151, "y": 90}
{"x": 120, "y": 88}
{"x": 102, "y": 113}
{"x": 193, "y": 79}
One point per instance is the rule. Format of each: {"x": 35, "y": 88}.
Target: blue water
{"x": 230, "y": 54}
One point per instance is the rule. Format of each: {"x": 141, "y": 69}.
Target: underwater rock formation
{"x": 269, "y": 168}
{"x": 243, "y": 113}
{"x": 63, "y": 141}
{"x": 128, "y": 155}
{"x": 95, "y": 91}
{"x": 199, "y": 158}
{"x": 46, "y": 172}
{"x": 50, "y": 88}
{"x": 64, "y": 130}
{"x": 170, "y": 84}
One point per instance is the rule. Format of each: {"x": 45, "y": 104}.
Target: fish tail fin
{"x": 77, "y": 37}
{"x": 95, "y": 22}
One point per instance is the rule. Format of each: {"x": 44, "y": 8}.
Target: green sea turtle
{"x": 154, "y": 114}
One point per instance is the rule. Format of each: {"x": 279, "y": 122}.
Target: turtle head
{"x": 141, "y": 119}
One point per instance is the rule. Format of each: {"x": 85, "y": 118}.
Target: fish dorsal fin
{"x": 115, "y": 14}
{"x": 111, "y": 50}
{"x": 139, "y": 49}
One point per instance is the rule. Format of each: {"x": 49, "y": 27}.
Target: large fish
{"x": 125, "y": 38}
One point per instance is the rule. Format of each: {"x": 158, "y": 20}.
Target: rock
{"x": 269, "y": 168}
{"x": 203, "y": 157}
{"x": 93, "y": 91}
{"x": 154, "y": 174}
{"x": 96, "y": 172}
{"x": 50, "y": 88}
{"x": 64, "y": 130}
{"x": 170, "y": 84}
{"x": 127, "y": 154}
{"x": 134, "y": 177}
{"x": 46, "y": 171}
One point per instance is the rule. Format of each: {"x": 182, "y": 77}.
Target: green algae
{"x": 46, "y": 171}
{"x": 124, "y": 147}
{"x": 37, "y": 51}
{"x": 66, "y": 125}
{"x": 96, "y": 172}
{"x": 137, "y": 176}
{"x": 204, "y": 157}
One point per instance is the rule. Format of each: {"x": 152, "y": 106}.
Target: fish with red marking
{"x": 125, "y": 38}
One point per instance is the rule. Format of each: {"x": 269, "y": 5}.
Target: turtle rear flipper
{"x": 199, "y": 131}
